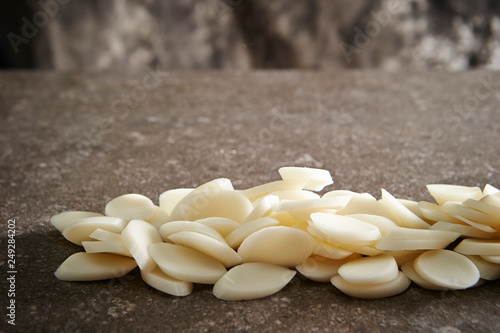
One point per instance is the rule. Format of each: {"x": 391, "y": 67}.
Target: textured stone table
{"x": 73, "y": 141}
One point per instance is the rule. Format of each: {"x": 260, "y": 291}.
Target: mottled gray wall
{"x": 241, "y": 34}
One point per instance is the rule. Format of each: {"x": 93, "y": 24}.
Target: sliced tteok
{"x": 412, "y": 274}
{"x": 317, "y": 179}
{"x": 384, "y": 224}
{"x": 444, "y": 192}
{"x": 251, "y": 281}
{"x": 186, "y": 264}
{"x": 321, "y": 269}
{"x": 65, "y": 219}
{"x": 433, "y": 212}
{"x": 464, "y": 230}
{"x": 458, "y": 210}
{"x": 208, "y": 245}
{"x": 365, "y": 204}
{"x": 481, "y": 205}
{"x": 106, "y": 247}
{"x": 344, "y": 229}
{"x": 170, "y": 228}
{"x": 161, "y": 281}
{"x": 370, "y": 270}
{"x": 403, "y": 215}
{"x": 488, "y": 247}
{"x": 301, "y": 210}
{"x": 222, "y": 225}
{"x": 130, "y": 206}
{"x": 370, "y": 291}
{"x": 447, "y": 269}
{"x": 325, "y": 249}
{"x": 137, "y": 238}
{"x": 278, "y": 245}
{"x": 81, "y": 230}
{"x": 212, "y": 203}
{"x": 169, "y": 199}
{"x": 487, "y": 270}
{"x": 105, "y": 235}
{"x": 416, "y": 239}
{"x": 158, "y": 218}
{"x": 235, "y": 238}
{"x": 258, "y": 191}
{"x": 83, "y": 266}
{"x": 262, "y": 207}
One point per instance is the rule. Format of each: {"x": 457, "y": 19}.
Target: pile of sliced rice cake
{"x": 250, "y": 243}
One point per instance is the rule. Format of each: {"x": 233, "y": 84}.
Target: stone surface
{"x": 75, "y": 141}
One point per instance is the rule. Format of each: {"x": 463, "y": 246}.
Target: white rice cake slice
{"x": 432, "y": 212}
{"x": 212, "y": 203}
{"x": 370, "y": 270}
{"x": 456, "y": 193}
{"x": 222, "y": 225}
{"x": 328, "y": 250}
{"x": 130, "y": 206}
{"x": 64, "y": 220}
{"x": 82, "y": 266}
{"x": 483, "y": 247}
{"x": 477, "y": 225}
{"x": 416, "y": 239}
{"x": 336, "y": 193}
{"x": 384, "y": 224}
{"x": 295, "y": 195}
{"x": 321, "y": 269}
{"x": 215, "y": 184}
{"x": 487, "y": 270}
{"x": 490, "y": 190}
{"x": 81, "y": 230}
{"x": 207, "y": 245}
{"x": 105, "y": 235}
{"x": 167, "y": 284}
{"x": 258, "y": 191}
{"x": 285, "y": 219}
{"x": 403, "y": 216}
{"x": 458, "y": 210}
{"x": 170, "y": 228}
{"x": 372, "y": 291}
{"x": 235, "y": 238}
{"x": 464, "y": 230}
{"x": 106, "y": 246}
{"x": 367, "y": 250}
{"x": 408, "y": 269}
{"x": 413, "y": 207}
{"x": 137, "y": 237}
{"x": 158, "y": 218}
{"x": 493, "y": 199}
{"x": 277, "y": 245}
{"x": 317, "y": 179}
{"x": 263, "y": 208}
{"x": 493, "y": 259}
{"x": 252, "y": 281}
{"x": 169, "y": 199}
{"x": 447, "y": 269}
{"x": 186, "y": 264}
{"x": 482, "y": 206}
{"x": 301, "y": 210}
{"x": 404, "y": 256}
{"x": 344, "y": 229}
{"x": 360, "y": 204}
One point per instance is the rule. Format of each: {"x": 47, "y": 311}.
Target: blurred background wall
{"x": 130, "y": 35}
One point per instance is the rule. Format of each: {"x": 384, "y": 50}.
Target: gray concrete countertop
{"x": 73, "y": 141}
